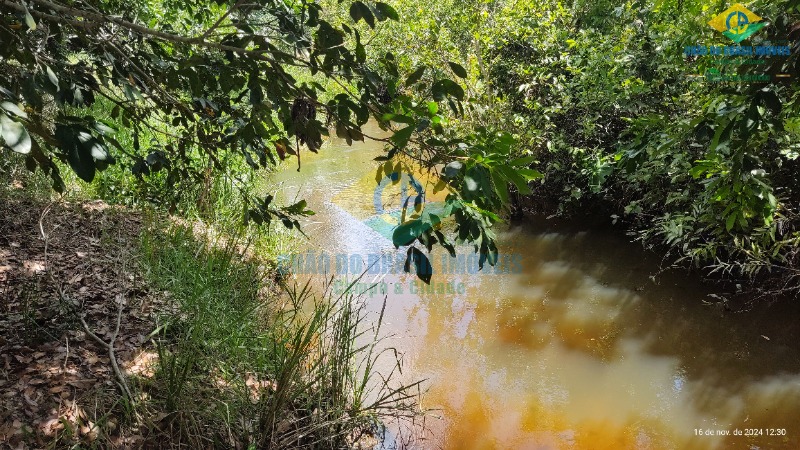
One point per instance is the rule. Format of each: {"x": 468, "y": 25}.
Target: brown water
{"x": 577, "y": 347}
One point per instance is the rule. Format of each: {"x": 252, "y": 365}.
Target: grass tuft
{"x": 246, "y": 363}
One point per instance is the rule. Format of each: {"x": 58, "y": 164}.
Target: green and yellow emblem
{"x": 737, "y": 22}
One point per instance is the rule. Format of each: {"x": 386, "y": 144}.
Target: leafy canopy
{"x": 233, "y": 81}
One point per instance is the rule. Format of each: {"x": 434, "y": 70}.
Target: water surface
{"x": 577, "y": 342}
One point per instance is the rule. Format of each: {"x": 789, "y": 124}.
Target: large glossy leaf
{"x": 515, "y": 177}
{"x": 29, "y": 20}
{"x": 51, "y": 76}
{"x": 408, "y": 232}
{"x": 530, "y": 174}
{"x": 416, "y": 75}
{"x": 452, "y": 169}
{"x": 524, "y": 161}
{"x": 488, "y": 253}
{"x": 358, "y": 11}
{"x": 78, "y": 156}
{"x": 15, "y": 135}
{"x": 444, "y": 88}
{"x": 14, "y": 109}
{"x": 501, "y": 186}
{"x": 401, "y": 137}
{"x": 422, "y": 264}
{"x": 458, "y": 69}
{"x": 386, "y": 11}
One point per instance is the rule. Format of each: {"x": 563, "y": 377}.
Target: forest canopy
{"x": 181, "y": 93}
{"x": 633, "y": 111}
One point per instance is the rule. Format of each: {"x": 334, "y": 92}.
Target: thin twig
{"x": 220, "y": 20}
{"x": 109, "y": 346}
{"x": 123, "y": 384}
{"x": 66, "y": 356}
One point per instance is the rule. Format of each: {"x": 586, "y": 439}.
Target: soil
{"x": 59, "y": 262}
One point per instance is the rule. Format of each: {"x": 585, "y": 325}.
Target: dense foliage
{"x": 185, "y": 94}
{"x": 598, "y": 96}
{"x": 627, "y": 126}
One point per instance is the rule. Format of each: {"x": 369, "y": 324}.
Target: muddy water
{"x": 570, "y": 344}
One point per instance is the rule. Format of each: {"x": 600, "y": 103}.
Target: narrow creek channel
{"x": 569, "y": 343}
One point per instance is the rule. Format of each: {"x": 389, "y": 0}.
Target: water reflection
{"x": 582, "y": 349}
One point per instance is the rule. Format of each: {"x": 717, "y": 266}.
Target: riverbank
{"x": 124, "y": 328}
{"x": 731, "y": 289}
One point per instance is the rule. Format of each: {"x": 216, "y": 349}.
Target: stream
{"x": 574, "y": 341}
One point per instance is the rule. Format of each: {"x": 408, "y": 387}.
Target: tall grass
{"x": 245, "y": 360}
{"x": 248, "y": 362}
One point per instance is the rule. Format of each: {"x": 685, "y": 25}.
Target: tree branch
{"x": 21, "y": 8}
{"x": 99, "y": 18}
{"x": 221, "y": 19}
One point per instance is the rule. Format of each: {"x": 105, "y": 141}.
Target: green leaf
{"x": 327, "y": 36}
{"x": 530, "y": 174}
{"x": 422, "y": 264}
{"x": 729, "y": 222}
{"x": 517, "y": 178}
{"x": 359, "y": 10}
{"x": 52, "y": 77}
{"x": 299, "y": 208}
{"x": 156, "y": 161}
{"x": 78, "y": 155}
{"x": 356, "y": 11}
{"x": 433, "y": 107}
{"x": 256, "y": 94}
{"x": 361, "y": 52}
{"x": 501, "y": 186}
{"x": 408, "y": 232}
{"x": 443, "y": 88}
{"x": 29, "y": 20}
{"x": 722, "y": 137}
{"x": 749, "y": 122}
{"x": 401, "y": 137}
{"x": 15, "y": 135}
{"x": 14, "y": 109}
{"x": 58, "y": 183}
{"x": 489, "y": 254}
{"x": 445, "y": 243}
{"x": 398, "y": 118}
{"x": 458, "y": 69}
{"x": 525, "y": 161}
{"x": 386, "y": 11}
{"x": 453, "y": 169}
{"x": 416, "y": 75}
{"x": 104, "y": 128}
{"x": 701, "y": 168}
